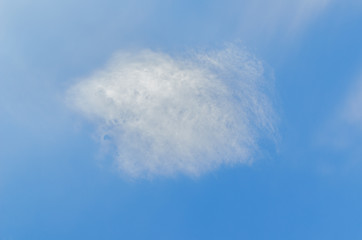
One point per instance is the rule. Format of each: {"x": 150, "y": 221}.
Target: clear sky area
{"x": 180, "y": 119}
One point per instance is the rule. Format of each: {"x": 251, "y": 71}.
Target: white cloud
{"x": 168, "y": 115}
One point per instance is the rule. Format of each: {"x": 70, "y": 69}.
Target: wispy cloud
{"x": 168, "y": 115}
{"x": 338, "y": 140}
{"x": 281, "y": 19}
{"x": 352, "y": 111}
{"x": 343, "y": 129}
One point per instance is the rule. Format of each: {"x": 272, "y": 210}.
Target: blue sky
{"x": 180, "y": 119}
